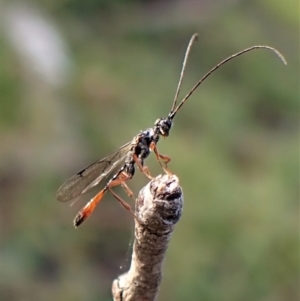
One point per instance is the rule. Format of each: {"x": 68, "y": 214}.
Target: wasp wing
{"x": 91, "y": 176}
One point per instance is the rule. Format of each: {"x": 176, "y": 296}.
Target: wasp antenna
{"x": 174, "y": 111}
{"x": 192, "y": 40}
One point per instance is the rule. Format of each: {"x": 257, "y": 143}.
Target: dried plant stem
{"x": 159, "y": 207}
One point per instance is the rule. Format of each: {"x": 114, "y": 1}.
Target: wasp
{"x": 134, "y": 153}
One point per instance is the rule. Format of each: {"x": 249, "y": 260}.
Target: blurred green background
{"x": 78, "y": 79}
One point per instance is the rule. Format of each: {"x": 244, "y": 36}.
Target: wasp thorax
{"x": 163, "y": 125}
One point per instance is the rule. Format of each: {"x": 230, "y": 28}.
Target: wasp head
{"x": 163, "y": 126}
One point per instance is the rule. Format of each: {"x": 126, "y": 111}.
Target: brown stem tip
{"x": 159, "y": 208}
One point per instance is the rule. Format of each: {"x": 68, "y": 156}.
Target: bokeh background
{"x": 78, "y": 79}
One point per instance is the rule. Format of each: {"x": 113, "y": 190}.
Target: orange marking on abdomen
{"x": 87, "y": 210}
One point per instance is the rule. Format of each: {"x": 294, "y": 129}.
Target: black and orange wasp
{"x": 134, "y": 152}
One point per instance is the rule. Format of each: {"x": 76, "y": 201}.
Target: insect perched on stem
{"x": 134, "y": 152}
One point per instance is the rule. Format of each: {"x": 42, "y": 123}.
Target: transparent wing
{"x": 91, "y": 176}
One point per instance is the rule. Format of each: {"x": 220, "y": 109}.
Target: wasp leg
{"x": 164, "y": 158}
{"x": 143, "y": 169}
{"x": 128, "y": 190}
{"x": 124, "y": 205}
{"x": 120, "y": 180}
